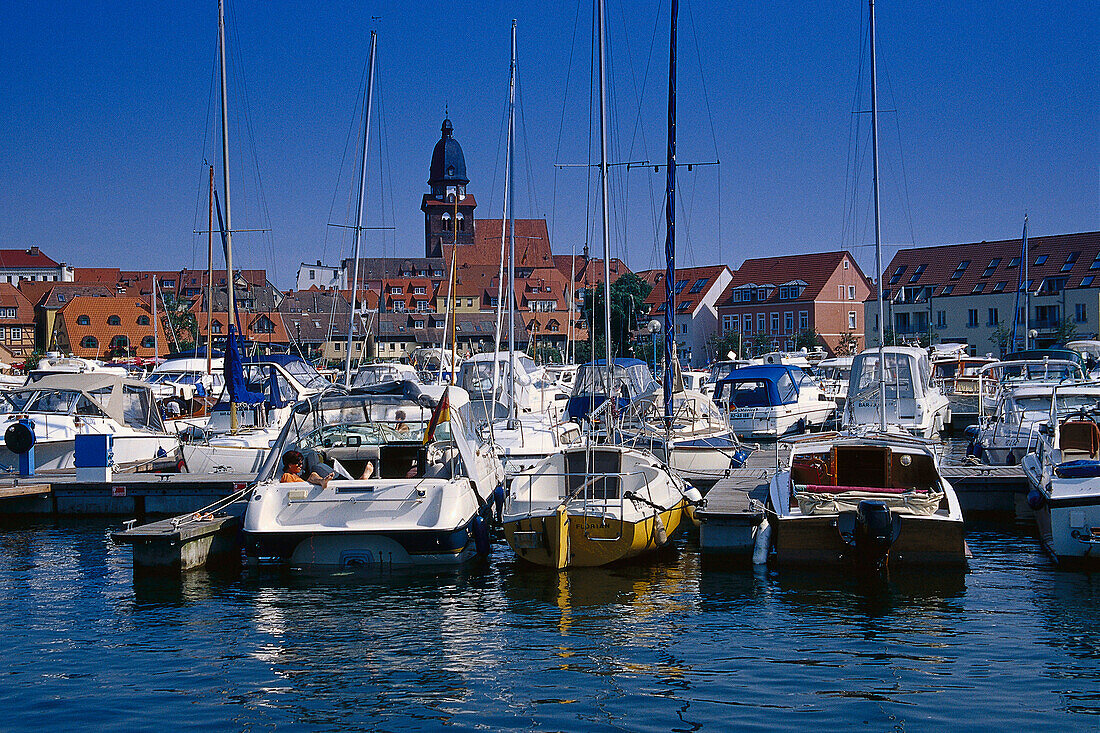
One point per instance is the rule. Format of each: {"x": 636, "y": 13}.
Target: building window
{"x": 991, "y": 267}
{"x": 761, "y": 323}
{"x": 1086, "y": 281}
{"x": 728, "y": 323}
{"x": 947, "y": 289}
{"x": 143, "y": 320}
{"x": 960, "y": 269}
{"x": 851, "y": 292}
{"x": 775, "y": 323}
{"x": 699, "y": 285}
{"x": 1080, "y": 314}
{"x": 418, "y": 324}
{"x": 395, "y": 290}
{"x": 114, "y": 321}
{"x": 683, "y": 329}
{"x": 263, "y": 324}
{"x": 16, "y": 333}
{"x": 83, "y": 321}
{"x": 60, "y": 297}
{"x": 120, "y": 342}
{"x": 993, "y": 319}
{"x": 897, "y": 275}
{"x": 803, "y": 320}
{"x": 999, "y": 287}
{"x": 1070, "y": 259}
{"x": 852, "y": 320}
{"x": 1040, "y": 260}
{"x": 972, "y": 317}
{"x": 312, "y": 274}
{"x": 216, "y": 328}
{"x": 148, "y": 342}
{"x": 845, "y": 264}
{"x": 419, "y": 290}
{"x": 941, "y": 319}
{"x": 89, "y": 342}
{"x": 978, "y": 288}
{"x": 788, "y": 322}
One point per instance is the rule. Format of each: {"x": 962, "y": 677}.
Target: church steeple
{"x": 448, "y": 204}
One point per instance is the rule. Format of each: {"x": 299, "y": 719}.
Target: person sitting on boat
{"x": 401, "y": 427}
{"x": 293, "y": 464}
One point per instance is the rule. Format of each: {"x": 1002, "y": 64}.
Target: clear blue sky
{"x": 990, "y": 108}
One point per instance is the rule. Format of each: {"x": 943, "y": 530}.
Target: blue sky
{"x": 990, "y": 109}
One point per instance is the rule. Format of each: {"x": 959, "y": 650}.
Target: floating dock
{"x": 127, "y": 494}
{"x": 183, "y": 543}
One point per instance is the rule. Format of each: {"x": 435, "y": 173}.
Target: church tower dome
{"x": 448, "y": 209}
{"x": 448, "y": 164}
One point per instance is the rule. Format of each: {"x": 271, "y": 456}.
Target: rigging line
{"x": 531, "y": 190}
{"x": 343, "y": 158}
{"x": 208, "y": 125}
{"x": 561, "y": 121}
{"x": 710, "y": 114}
{"x": 901, "y": 155}
{"x": 851, "y": 173}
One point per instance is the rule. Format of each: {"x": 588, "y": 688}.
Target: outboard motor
{"x": 869, "y": 531}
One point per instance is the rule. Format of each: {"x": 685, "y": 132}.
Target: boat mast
{"x": 156, "y": 340}
{"x": 670, "y": 219}
{"x": 210, "y": 278}
{"x": 233, "y": 424}
{"x": 878, "y": 228}
{"x": 359, "y": 213}
{"x": 606, "y": 210}
{"x": 512, "y": 236}
{"x": 1027, "y": 294}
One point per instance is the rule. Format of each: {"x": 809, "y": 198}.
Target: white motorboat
{"x": 698, "y": 445}
{"x": 593, "y": 505}
{"x": 1064, "y": 476}
{"x": 56, "y": 363}
{"x": 1025, "y": 386}
{"x": 833, "y": 375}
{"x": 912, "y": 402}
{"x": 957, "y": 376}
{"x": 771, "y": 401}
{"x": 868, "y": 499}
{"x": 63, "y": 406}
{"x": 426, "y": 500}
{"x": 381, "y": 372}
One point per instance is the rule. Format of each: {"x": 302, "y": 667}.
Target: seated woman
{"x": 320, "y": 474}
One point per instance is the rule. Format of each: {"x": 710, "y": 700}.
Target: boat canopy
{"x": 760, "y": 386}
{"x": 369, "y": 374}
{"x": 91, "y": 394}
{"x": 908, "y": 373}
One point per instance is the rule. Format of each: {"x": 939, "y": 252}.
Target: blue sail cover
{"x": 234, "y": 373}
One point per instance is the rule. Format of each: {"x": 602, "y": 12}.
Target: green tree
{"x": 719, "y": 345}
{"x": 628, "y": 293}
{"x": 1000, "y": 337}
{"x": 848, "y": 344}
{"x": 761, "y": 344}
{"x": 180, "y": 325}
{"x": 1065, "y": 332}
{"x": 807, "y": 338}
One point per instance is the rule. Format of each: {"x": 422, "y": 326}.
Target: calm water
{"x": 675, "y": 645}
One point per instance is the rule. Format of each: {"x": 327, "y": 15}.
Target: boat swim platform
{"x": 734, "y": 508}
{"x": 126, "y": 494}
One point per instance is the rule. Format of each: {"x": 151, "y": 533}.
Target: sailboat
{"x": 593, "y": 505}
{"x": 871, "y": 497}
{"x": 684, "y": 428}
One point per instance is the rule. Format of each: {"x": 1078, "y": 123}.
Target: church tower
{"x": 448, "y": 201}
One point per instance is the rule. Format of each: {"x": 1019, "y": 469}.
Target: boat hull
{"x": 127, "y": 450}
{"x": 922, "y": 541}
{"x": 364, "y": 549}
{"x": 588, "y": 541}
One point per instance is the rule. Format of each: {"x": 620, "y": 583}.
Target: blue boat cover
{"x": 1084, "y": 468}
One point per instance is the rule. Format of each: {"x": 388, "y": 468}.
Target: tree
{"x": 719, "y": 345}
{"x": 807, "y": 338}
{"x": 627, "y": 295}
{"x": 848, "y": 344}
{"x": 1065, "y": 331}
{"x": 180, "y": 324}
{"x": 761, "y": 344}
{"x": 1000, "y": 337}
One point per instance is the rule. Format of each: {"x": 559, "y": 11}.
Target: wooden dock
{"x": 127, "y": 494}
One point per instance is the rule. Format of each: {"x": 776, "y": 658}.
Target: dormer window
{"x": 114, "y": 321}
{"x": 83, "y": 321}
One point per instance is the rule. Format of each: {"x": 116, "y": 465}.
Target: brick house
{"x": 16, "y": 321}
{"x": 99, "y": 328}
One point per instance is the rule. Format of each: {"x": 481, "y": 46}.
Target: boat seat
{"x": 442, "y": 466}
{"x": 1079, "y": 438}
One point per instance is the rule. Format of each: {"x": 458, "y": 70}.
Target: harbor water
{"x": 677, "y": 644}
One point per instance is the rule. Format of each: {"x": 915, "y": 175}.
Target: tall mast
{"x": 606, "y": 209}
{"x": 233, "y": 425}
{"x": 156, "y": 340}
{"x": 359, "y": 213}
{"x": 210, "y": 277}
{"x": 878, "y": 229}
{"x": 512, "y": 235}
{"x": 1027, "y": 293}
{"x": 670, "y": 219}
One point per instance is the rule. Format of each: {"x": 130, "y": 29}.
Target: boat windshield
{"x": 1038, "y": 406}
{"x": 592, "y": 379}
{"x": 899, "y": 376}
{"x": 375, "y": 374}
{"x": 56, "y": 402}
{"x": 306, "y": 375}
{"x": 748, "y": 392}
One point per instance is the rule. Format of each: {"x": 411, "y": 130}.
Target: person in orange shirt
{"x": 292, "y": 471}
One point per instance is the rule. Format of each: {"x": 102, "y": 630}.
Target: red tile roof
{"x": 98, "y": 310}
{"x": 588, "y": 271}
{"x": 532, "y": 244}
{"x": 11, "y": 297}
{"x": 989, "y": 264}
{"x": 30, "y": 257}
{"x": 813, "y": 268}
{"x": 686, "y": 301}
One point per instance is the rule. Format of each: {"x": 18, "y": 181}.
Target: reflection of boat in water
{"x": 424, "y": 499}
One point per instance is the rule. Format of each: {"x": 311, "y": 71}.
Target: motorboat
{"x": 1064, "y": 478}
{"x": 212, "y": 445}
{"x": 629, "y": 379}
{"x": 381, "y": 372}
{"x": 719, "y": 371}
{"x": 865, "y": 498}
{"x": 63, "y": 406}
{"x": 57, "y": 363}
{"x": 426, "y": 499}
{"x": 186, "y": 383}
{"x": 1010, "y": 429}
{"x": 912, "y": 401}
{"x": 695, "y": 380}
{"x": 1089, "y": 349}
{"x": 506, "y": 378}
{"x": 593, "y": 505}
{"x": 957, "y": 377}
{"x": 561, "y": 375}
{"x": 697, "y": 445}
{"x": 833, "y": 375}
{"x": 772, "y": 401}
{"x": 427, "y": 363}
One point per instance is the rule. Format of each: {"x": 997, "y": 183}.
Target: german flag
{"x": 442, "y": 413}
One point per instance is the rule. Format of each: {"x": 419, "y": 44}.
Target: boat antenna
{"x": 359, "y": 211}
{"x": 878, "y": 228}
